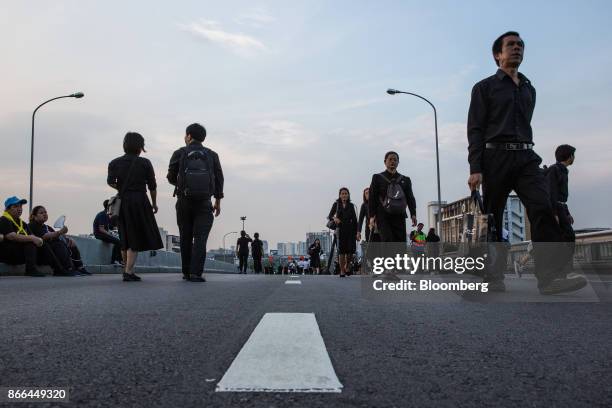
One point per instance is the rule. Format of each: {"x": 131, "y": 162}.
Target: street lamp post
{"x": 243, "y": 219}
{"x": 439, "y": 218}
{"x": 74, "y": 95}
{"x": 233, "y": 232}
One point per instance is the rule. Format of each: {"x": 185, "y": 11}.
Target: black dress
{"x": 347, "y": 229}
{"x": 138, "y": 229}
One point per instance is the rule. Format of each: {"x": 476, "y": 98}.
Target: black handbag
{"x": 114, "y": 203}
{"x": 331, "y": 224}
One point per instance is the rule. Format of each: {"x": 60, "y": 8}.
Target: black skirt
{"x": 138, "y": 229}
{"x": 347, "y": 239}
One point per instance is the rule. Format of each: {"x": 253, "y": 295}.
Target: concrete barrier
{"x": 97, "y": 255}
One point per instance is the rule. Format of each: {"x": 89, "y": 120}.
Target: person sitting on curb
{"x": 102, "y": 230}
{"x": 59, "y": 250}
{"x": 18, "y": 245}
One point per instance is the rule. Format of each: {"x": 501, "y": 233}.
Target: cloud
{"x": 211, "y": 32}
{"x": 256, "y": 18}
{"x": 279, "y": 133}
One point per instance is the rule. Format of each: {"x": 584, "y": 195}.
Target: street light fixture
{"x": 243, "y": 219}
{"x": 74, "y": 95}
{"x": 439, "y": 218}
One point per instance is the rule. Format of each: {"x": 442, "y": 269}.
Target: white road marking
{"x": 285, "y": 353}
{"x": 293, "y": 282}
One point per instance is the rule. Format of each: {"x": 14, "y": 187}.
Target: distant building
{"x": 515, "y": 219}
{"x": 432, "y": 214}
{"x": 301, "y": 248}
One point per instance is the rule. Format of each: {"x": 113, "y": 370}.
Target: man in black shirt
{"x": 242, "y": 251}
{"x": 257, "y": 253}
{"x": 392, "y": 227}
{"x": 18, "y": 245}
{"x": 501, "y": 157}
{"x": 194, "y": 188}
{"x": 102, "y": 227}
{"x": 557, "y": 176}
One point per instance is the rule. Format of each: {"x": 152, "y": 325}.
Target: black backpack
{"x": 395, "y": 200}
{"x": 195, "y": 178}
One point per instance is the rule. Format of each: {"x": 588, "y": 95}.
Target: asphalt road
{"x": 164, "y": 342}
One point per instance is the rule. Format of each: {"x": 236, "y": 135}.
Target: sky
{"x": 292, "y": 95}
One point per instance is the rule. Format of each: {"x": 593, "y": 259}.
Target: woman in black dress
{"x": 345, "y": 217}
{"x": 132, "y": 174}
{"x": 314, "y": 250}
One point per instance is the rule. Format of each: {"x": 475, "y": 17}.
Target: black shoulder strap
{"x": 127, "y": 178}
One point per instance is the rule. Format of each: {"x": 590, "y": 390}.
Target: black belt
{"x": 509, "y": 146}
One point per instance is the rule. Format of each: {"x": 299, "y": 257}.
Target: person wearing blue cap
{"x": 19, "y": 245}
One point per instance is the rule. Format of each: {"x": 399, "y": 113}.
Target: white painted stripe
{"x": 285, "y": 353}
{"x": 293, "y": 282}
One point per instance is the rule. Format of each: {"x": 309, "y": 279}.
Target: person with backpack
{"x": 196, "y": 173}
{"x": 344, "y": 216}
{"x": 502, "y": 159}
{"x": 130, "y": 175}
{"x": 390, "y": 194}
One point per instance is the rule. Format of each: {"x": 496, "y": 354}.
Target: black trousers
{"x": 19, "y": 253}
{"x": 504, "y": 171}
{"x": 195, "y": 220}
{"x": 55, "y": 253}
{"x": 243, "y": 260}
{"x": 391, "y": 228}
{"x": 109, "y": 239}
{"x": 257, "y": 263}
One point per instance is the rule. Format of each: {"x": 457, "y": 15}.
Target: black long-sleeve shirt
{"x": 257, "y": 248}
{"x": 378, "y": 192}
{"x": 557, "y": 175}
{"x": 173, "y": 168}
{"x": 142, "y": 174}
{"x": 500, "y": 111}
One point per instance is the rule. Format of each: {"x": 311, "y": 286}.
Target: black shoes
{"x": 563, "y": 285}
{"x": 196, "y": 278}
{"x": 131, "y": 277}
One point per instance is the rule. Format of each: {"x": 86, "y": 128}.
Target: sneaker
{"x": 563, "y": 285}
{"x": 196, "y": 278}
{"x": 83, "y": 271}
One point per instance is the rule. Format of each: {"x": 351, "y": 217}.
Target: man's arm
{"x": 218, "y": 172}
{"x": 410, "y": 200}
{"x": 173, "y": 167}
{"x": 476, "y": 127}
